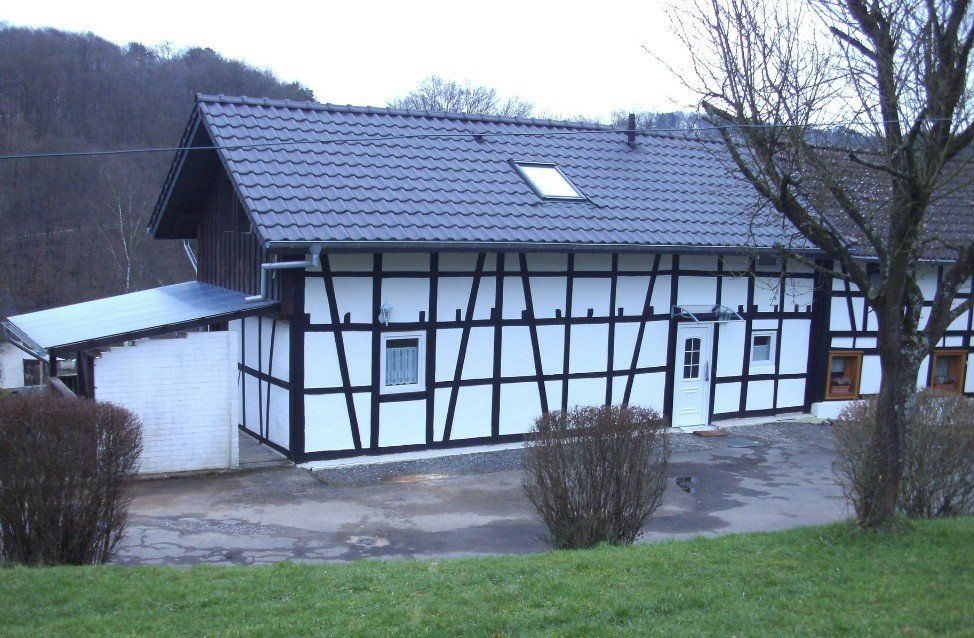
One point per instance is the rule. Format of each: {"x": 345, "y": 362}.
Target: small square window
{"x": 548, "y": 181}
{"x": 948, "y": 371}
{"x": 402, "y": 363}
{"x": 842, "y": 380}
{"x": 769, "y": 262}
{"x": 762, "y": 348}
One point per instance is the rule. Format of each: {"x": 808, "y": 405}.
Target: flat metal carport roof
{"x": 113, "y": 320}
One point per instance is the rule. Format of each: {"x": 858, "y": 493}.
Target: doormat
{"x": 711, "y": 433}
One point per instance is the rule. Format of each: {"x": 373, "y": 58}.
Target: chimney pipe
{"x": 631, "y": 131}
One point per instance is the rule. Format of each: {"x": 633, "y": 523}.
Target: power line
{"x": 394, "y": 137}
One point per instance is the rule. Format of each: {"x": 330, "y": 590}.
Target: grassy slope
{"x": 806, "y": 581}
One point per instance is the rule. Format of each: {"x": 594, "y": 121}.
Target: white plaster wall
{"x": 266, "y": 406}
{"x": 11, "y": 365}
{"x": 870, "y": 376}
{"x": 329, "y": 423}
{"x": 185, "y": 392}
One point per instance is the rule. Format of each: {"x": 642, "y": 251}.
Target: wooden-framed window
{"x": 842, "y": 377}
{"x": 948, "y": 369}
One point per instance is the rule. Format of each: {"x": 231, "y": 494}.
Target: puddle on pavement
{"x": 687, "y": 483}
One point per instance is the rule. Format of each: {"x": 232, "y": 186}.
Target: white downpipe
{"x": 314, "y": 261}
{"x": 191, "y": 256}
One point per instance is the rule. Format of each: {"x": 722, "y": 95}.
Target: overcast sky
{"x": 567, "y": 58}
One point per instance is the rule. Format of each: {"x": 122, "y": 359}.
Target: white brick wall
{"x": 185, "y": 392}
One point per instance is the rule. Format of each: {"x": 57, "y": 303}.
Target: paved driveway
{"x": 760, "y": 478}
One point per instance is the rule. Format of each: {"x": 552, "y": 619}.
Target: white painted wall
{"x": 328, "y": 422}
{"x": 862, "y": 321}
{"x": 266, "y": 347}
{"x": 185, "y": 392}
{"x": 12, "y": 365}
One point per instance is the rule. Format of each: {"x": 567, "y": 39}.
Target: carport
{"x": 77, "y": 329}
{"x": 183, "y": 385}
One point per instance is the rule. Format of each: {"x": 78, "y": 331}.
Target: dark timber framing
{"x": 464, "y": 338}
{"x": 340, "y": 347}
{"x": 431, "y": 349}
{"x": 431, "y": 321}
{"x": 566, "y": 356}
{"x": 861, "y": 339}
{"x": 670, "y": 382}
{"x": 715, "y": 341}
{"x": 299, "y": 321}
{"x": 533, "y": 329}
{"x": 376, "y": 351}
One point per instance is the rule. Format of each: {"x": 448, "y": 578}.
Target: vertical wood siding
{"x": 227, "y": 248}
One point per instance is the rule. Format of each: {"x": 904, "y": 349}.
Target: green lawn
{"x": 809, "y": 581}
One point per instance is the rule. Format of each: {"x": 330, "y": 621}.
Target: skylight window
{"x": 548, "y": 181}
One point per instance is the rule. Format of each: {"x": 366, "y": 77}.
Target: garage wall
{"x": 184, "y": 389}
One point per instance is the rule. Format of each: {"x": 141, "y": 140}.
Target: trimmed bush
{"x": 938, "y": 461}
{"x": 596, "y": 474}
{"x": 64, "y": 466}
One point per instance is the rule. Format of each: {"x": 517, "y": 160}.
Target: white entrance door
{"x": 691, "y": 389}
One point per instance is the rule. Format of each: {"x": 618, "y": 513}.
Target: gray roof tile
{"x": 359, "y": 174}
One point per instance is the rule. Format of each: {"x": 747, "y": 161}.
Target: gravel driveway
{"x": 763, "y": 477}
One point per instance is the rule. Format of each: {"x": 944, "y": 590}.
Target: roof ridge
{"x": 382, "y": 110}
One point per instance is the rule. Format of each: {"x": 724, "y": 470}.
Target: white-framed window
{"x": 402, "y": 362}
{"x": 548, "y": 181}
{"x": 762, "y": 348}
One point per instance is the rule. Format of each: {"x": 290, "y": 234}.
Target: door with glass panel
{"x": 691, "y": 387}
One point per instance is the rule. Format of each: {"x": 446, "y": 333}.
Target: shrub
{"x": 596, "y": 474}
{"x": 857, "y": 465}
{"x": 938, "y": 467}
{"x": 64, "y": 464}
{"x": 938, "y": 460}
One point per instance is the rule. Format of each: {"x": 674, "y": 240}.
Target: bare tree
{"x": 770, "y": 74}
{"x": 124, "y": 235}
{"x": 65, "y": 223}
{"x": 436, "y": 94}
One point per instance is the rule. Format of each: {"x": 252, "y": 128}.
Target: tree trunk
{"x": 894, "y": 408}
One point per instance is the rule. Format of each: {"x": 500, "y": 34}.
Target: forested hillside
{"x": 73, "y": 229}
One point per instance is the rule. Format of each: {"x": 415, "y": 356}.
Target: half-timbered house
{"x": 413, "y": 280}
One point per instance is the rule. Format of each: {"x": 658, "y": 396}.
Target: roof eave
{"x": 460, "y": 246}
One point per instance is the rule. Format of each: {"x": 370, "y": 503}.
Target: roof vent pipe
{"x": 631, "y": 131}
{"x": 313, "y": 261}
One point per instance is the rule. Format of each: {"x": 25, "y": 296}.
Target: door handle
{"x": 706, "y": 371}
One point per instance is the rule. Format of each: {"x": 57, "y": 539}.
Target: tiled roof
{"x": 353, "y": 174}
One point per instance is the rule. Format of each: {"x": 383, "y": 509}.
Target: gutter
{"x": 19, "y": 339}
{"x": 267, "y": 270}
{"x": 469, "y": 246}
{"x": 499, "y": 246}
